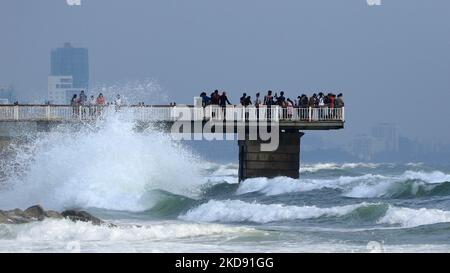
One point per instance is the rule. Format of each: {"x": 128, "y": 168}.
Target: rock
{"x": 15, "y": 213}
{"x": 16, "y": 216}
{"x": 53, "y": 214}
{"x": 35, "y": 212}
{"x": 82, "y": 216}
{"x": 3, "y": 218}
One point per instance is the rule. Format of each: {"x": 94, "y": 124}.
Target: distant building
{"x": 69, "y": 73}
{"x": 7, "y": 95}
{"x": 60, "y": 89}
{"x": 363, "y": 147}
{"x": 71, "y": 61}
{"x": 387, "y": 137}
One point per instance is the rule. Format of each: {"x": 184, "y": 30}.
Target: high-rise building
{"x": 69, "y": 73}
{"x": 387, "y": 136}
{"x": 363, "y": 147}
{"x": 71, "y": 61}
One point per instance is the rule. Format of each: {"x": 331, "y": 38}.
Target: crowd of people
{"x": 94, "y": 104}
{"x": 325, "y": 103}
{"x": 329, "y": 100}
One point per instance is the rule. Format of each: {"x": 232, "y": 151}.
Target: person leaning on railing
{"x": 257, "y": 104}
{"x": 74, "y": 102}
{"x": 205, "y": 99}
{"x": 339, "y": 104}
{"x": 268, "y": 101}
{"x": 92, "y": 103}
{"x": 289, "y": 108}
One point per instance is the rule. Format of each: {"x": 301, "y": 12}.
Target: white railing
{"x": 169, "y": 113}
{"x": 274, "y": 113}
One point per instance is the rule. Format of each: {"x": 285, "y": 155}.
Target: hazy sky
{"x": 391, "y": 61}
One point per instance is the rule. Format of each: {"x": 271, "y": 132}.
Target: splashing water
{"x": 133, "y": 92}
{"x": 108, "y": 166}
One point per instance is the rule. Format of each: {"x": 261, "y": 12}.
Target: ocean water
{"x": 164, "y": 197}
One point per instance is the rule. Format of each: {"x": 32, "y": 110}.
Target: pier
{"x": 245, "y": 122}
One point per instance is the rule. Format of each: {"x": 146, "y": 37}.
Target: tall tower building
{"x": 71, "y": 61}
{"x": 69, "y": 73}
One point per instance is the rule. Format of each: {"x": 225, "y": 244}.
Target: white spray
{"x": 111, "y": 167}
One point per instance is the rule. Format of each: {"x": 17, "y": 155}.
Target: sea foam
{"x": 240, "y": 211}
{"x": 109, "y": 166}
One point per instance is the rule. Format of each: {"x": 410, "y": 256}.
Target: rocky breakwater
{"x": 37, "y": 213}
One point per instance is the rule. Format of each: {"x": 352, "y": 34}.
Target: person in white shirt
{"x": 118, "y": 102}
{"x": 91, "y": 103}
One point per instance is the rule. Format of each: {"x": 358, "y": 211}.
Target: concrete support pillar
{"x": 285, "y": 161}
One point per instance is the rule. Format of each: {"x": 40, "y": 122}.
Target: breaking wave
{"x": 234, "y": 211}
{"x": 109, "y": 166}
{"x": 311, "y": 168}
{"x": 239, "y": 211}
{"x": 66, "y": 230}
{"x": 407, "y": 217}
{"x": 408, "y": 184}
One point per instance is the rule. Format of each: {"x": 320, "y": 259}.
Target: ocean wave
{"x": 408, "y": 217}
{"x": 283, "y": 185}
{"x": 408, "y": 184}
{"x": 225, "y": 170}
{"x": 428, "y": 177}
{"x": 111, "y": 166}
{"x": 403, "y": 189}
{"x": 239, "y": 211}
{"x": 66, "y": 230}
{"x": 235, "y": 211}
{"x": 311, "y": 168}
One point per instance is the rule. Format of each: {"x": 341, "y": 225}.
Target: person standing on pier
{"x": 268, "y": 101}
{"x": 289, "y": 108}
{"x": 339, "y": 101}
{"x": 215, "y": 97}
{"x": 82, "y": 102}
{"x": 101, "y": 102}
{"x": 205, "y": 99}
{"x": 75, "y": 104}
{"x": 242, "y": 99}
{"x": 280, "y": 99}
{"x": 339, "y": 104}
{"x": 118, "y": 102}
{"x": 332, "y": 99}
{"x": 92, "y": 105}
{"x": 83, "y": 98}
{"x": 258, "y": 103}
{"x": 248, "y": 101}
{"x": 258, "y": 100}
{"x": 312, "y": 104}
{"x": 223, "y": 101}
{"x": 312, "y": 101}
{"x": 321, "y": 103}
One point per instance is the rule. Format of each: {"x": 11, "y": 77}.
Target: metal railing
{"x": 169, "y": 113}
